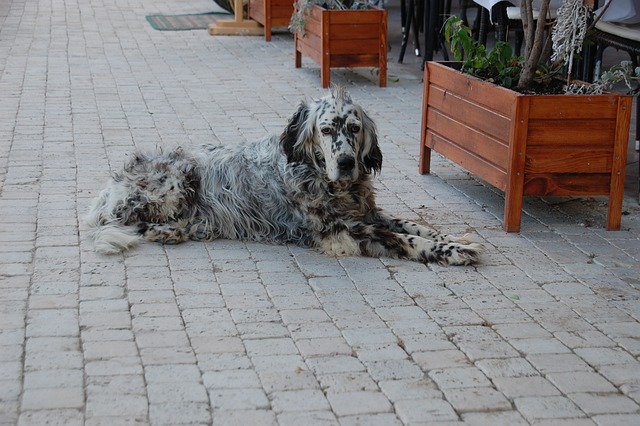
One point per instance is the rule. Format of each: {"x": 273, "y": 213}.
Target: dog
{"x": 311, "y": 186}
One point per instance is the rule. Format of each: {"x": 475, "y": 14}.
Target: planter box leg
{"x": 298, "y": 57}
{"x": 382, "y": 80}
{"x": 618, "y": 168}
{"x": 325, "y": 71}
{"x": 425, "y": 160}
{"x": 512, "y": 210}
{"x": 614, "y": 214}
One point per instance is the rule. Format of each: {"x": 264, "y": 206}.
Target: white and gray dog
{"x": 312, "y": 186}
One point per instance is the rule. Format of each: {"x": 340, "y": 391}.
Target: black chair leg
{"x": 406, "y": 28}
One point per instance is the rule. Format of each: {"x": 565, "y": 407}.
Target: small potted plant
{"x": 340, "y": 33}
{"x": 496, "y": 125}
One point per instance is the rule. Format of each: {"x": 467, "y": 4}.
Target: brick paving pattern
{"x": 545, "y": 331}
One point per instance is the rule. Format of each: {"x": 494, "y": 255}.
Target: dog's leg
{"x": 374, "y": 241}
{"x": 423, "y": 250}
{"x": 177, "y": 232}
{"x": 162, "y": 233}
{"x": 404, "y": 226}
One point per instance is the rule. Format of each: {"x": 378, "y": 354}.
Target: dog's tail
{"x": 110, "y": 236}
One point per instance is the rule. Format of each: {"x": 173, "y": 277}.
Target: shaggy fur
{"x": 312, "y": 186}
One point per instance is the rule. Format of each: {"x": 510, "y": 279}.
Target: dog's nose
{"x": 346, "y": 163}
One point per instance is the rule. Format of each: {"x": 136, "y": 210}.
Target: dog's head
{"x": 334, "y": 134}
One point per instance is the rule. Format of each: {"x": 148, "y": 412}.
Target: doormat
{"x": 192, "y": 21}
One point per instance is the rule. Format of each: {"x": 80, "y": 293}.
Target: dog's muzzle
{"x": 347, "y": 167}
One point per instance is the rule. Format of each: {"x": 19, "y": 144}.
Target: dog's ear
{"x": 371, "y": 156}
{"x": 294, "y": 135}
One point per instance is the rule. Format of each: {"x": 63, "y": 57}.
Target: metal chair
{"x": 625, "y": 38}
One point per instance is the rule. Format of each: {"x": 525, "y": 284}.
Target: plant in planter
{"x": 340, "y": 33}
{"x": 522, "y": 142}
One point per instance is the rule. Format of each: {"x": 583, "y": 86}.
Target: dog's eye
{"x": 326, "y": 130}
{"x": 354, "y": 128}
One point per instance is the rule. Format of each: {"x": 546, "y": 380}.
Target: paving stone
{"x": 132, "y": 406}
{"x": 336, "y": 364}
{"x": 422, "y": 388}
{"x": 504, "y": 418}
{"x": 298, "y": 400}
{"x": 515, "y": 387}
{"x": 462, "y": 377}
{"x": 230, "y": 379}
{"x": 288, "y": 380}
{"x": 323, "y": 346}
{"x": 238, "y": 399}
{"x": 425, "y": 410}
{"x": 358, "y": 402}
{"x": 580, "y": 381}
{"x": 546, "y": 408}
{"x": 604, "y": 403}
{"x": 617, "y": 419}
{"x": 245, "y": 417}
{"x": 179, "y": 412}
{"x": 557, "y": 363}
{"x": 393, "y": 369}
{"x": 441, "y": 359}
{"x": 476, "y": 399}
{"x": 61, "y": 416}
{"x": 51, "y": 398}
{"x": 321, "y": 418}
{"x": 506, "y": 367}
{"x": 383, "y": 419}
{"x": 597, "y": 357}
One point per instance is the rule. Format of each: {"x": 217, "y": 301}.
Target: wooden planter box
{"x": 271, "y": 13}
{"x": 527, "y": 144}
{"x": 344, "y": 38}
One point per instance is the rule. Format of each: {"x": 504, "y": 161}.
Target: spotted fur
{"x": 312, "y": 186}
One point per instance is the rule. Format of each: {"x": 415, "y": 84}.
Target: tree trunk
{"x": 534, "y": 38}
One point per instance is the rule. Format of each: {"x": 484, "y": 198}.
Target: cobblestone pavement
{"x": 545, "y": 331}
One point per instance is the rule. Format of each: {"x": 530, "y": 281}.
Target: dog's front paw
{"x": 455, "y": 253}
{"x": 340, "y": 245}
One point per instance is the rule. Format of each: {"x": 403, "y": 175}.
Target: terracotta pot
{"x": 344, "y": 38}
{"x": 527, "y": 144}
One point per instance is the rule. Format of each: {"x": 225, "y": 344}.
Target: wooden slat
{"x": 475, "y": 115}
{"x": 353, "y": 60}
{"x": 313, "y": 26}
{"x": 568, "y": 160}
{"x": 573, "y": 107}
{"x": 355, "y": 31}
{"x": 371, "y": 16}
{"x": 347, "y": 47}
{"x": 474, "y": 89}
{"x": 563, "y": 133}
{"x": 310, "y": 44}
{"x": 470, "y": 139}
{"x": 466, "y": 159}
{"x": 546, "y": 184}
